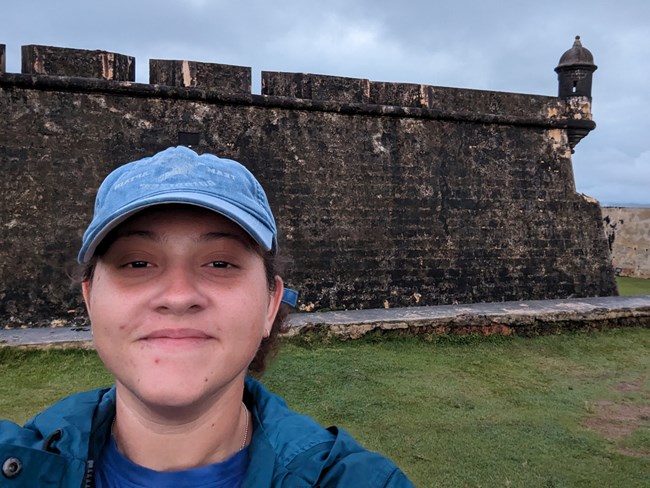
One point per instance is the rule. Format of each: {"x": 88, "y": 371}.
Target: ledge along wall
{"x": 386, "y": 194}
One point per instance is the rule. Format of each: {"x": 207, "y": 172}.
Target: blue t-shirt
{"x": 114, "y": 470}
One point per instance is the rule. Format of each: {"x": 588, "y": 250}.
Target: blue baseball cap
{"x": 179, "y": 175}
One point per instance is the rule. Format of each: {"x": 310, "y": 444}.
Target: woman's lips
{"x": 175, "y": 338}
{"x": 177, "y": 334}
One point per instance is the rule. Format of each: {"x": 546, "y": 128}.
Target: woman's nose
{"x": 179, "y": 291}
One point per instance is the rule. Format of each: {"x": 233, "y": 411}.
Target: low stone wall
{"x": 524, "y": 318}
{"x": 628, "y": 233}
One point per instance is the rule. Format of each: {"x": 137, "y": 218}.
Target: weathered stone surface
{"x": 525, "y": 318}
{"x": 376, "y": 205}
{"x": 628, "y": 234}
{"x": 521, "y": 318}
{"x": 464, "y": 100}
{"x": 223, "y": 78}
{"x": 400, "y": 94}
{"x": 3, "y": 58}
{"x": 57, "y": 61}
{"x": 316, "y": 87}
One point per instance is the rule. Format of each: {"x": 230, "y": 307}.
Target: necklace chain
{"x": 243, "y": 444}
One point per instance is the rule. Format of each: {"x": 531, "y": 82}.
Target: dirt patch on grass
{"x": 629, "y": 386}
{"x": 618, "y": 420}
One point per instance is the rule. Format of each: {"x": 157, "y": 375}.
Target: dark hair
{"x": 273, "y": 265}
{"x": 269, "y": 345}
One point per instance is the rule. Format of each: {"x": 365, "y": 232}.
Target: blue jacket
{"x": 58, "y": 447}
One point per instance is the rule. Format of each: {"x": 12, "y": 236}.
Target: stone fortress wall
{"x": 386, "y": 194}
{"x": 628, "y": 233}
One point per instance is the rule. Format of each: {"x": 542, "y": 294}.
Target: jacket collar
{"x": 81, "y": 417}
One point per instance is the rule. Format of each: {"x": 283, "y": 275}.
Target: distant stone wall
{"x": 386, "y": 194}
{"x": 628, "y": 233}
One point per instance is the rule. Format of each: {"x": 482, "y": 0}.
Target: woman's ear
{"x": 274, "y": 301}
{"x": 86, "y": 287}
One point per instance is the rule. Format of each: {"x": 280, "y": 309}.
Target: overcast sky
{"x": 504, "y": 45}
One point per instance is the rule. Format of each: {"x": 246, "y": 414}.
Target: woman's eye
{"x": 138, "y": 264}
{"x": 219, "y": 264}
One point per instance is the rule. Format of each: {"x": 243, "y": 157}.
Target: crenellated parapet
{"x": 101, "y": 71}
{"x": 436, "y": 99}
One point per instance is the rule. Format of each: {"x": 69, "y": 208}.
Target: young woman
{"x": 181, "y": 287}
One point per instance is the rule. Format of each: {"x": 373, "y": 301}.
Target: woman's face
{"x": 179, "y": 304}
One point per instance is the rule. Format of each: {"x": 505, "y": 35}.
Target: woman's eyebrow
{"x": 137, "y": 233}
{"x": 226, "y": 235}
{"x": 223, "y": 235}
{"x": 208, "y": 236}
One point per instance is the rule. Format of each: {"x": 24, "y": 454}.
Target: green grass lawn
{"x": 570, "y": 410}
{"x": 633, "y": 286}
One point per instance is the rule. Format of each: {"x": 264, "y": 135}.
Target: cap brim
{"x": 242, "y": 217}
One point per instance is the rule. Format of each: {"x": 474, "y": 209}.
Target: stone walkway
{"x": 482, "y": 318}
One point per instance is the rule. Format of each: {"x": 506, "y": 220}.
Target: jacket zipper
{"x": 89, "y": 477}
